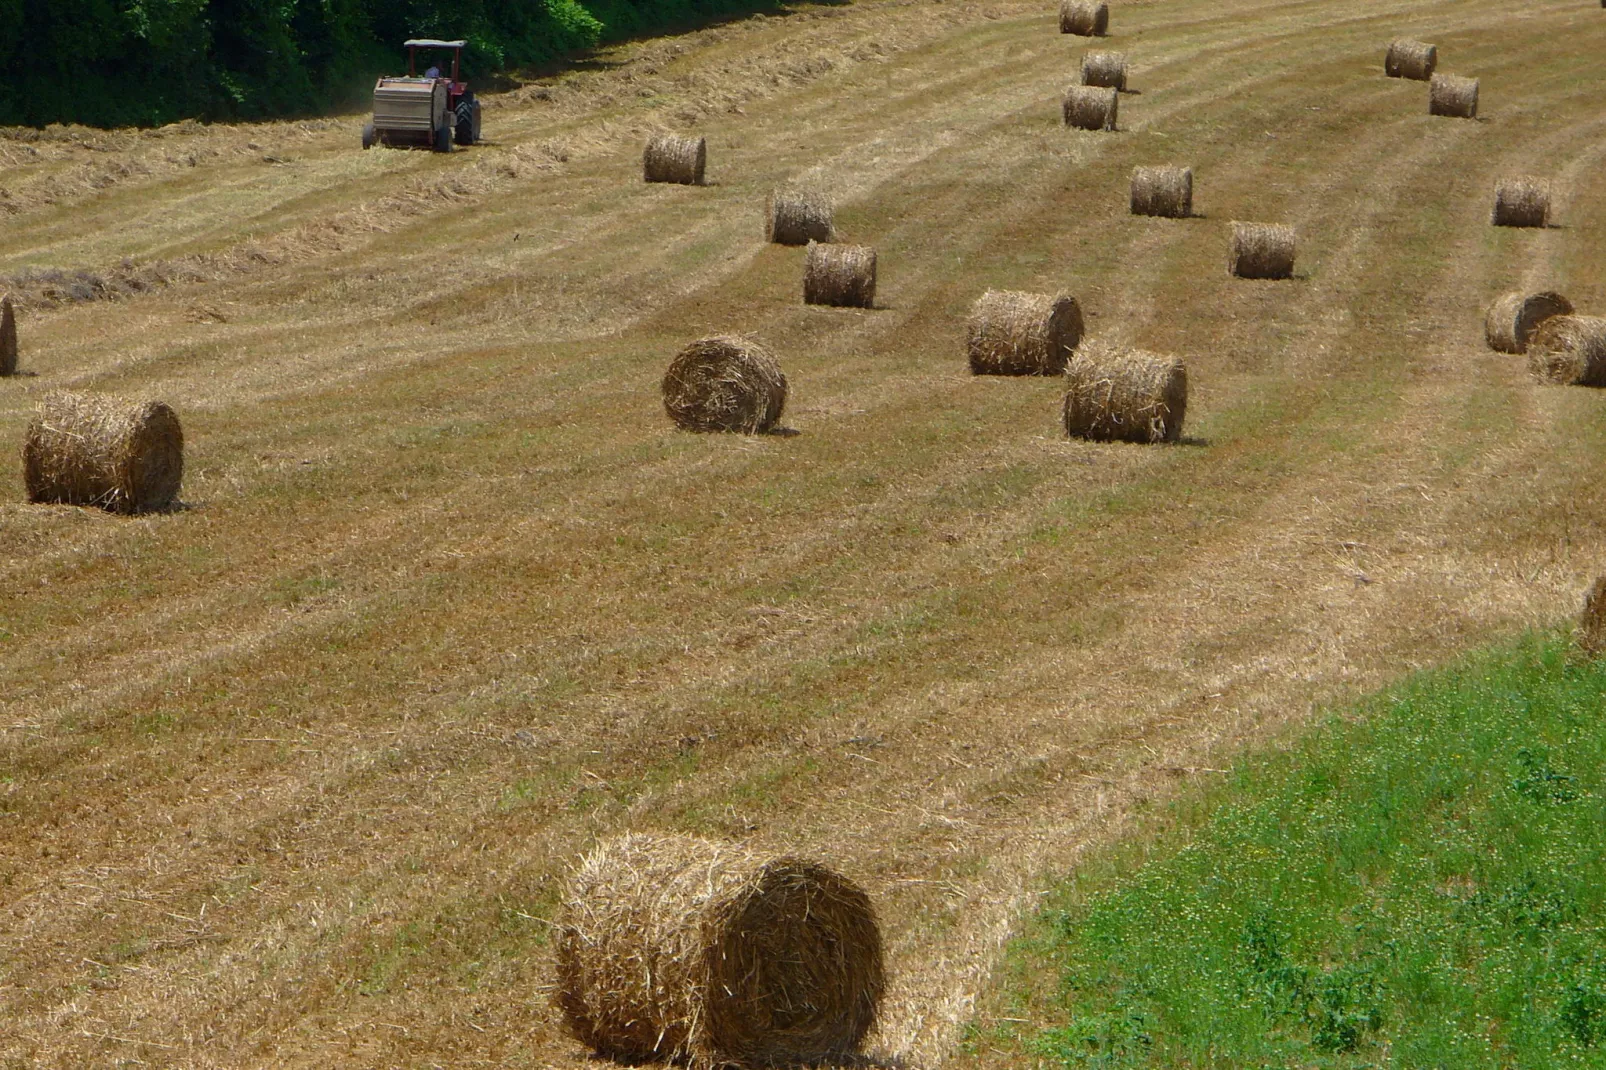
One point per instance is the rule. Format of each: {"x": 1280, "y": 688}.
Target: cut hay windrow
{"x": 671, "y": 948}
{"x": 1411, "y": 59}
{"x": 1513, "y": 318}
{"x": 8, "y": 338}
{"x": 1591, "y": 632}
{"x": 725, "y": 383}
{"x": 1163, "y": 191}
{"x": 841, "y": 275}
{"x": 1521, "y": 202}
{"x": 1085, "y": 18}
{"x": 1104, "y": 69}
{"x": 1088, "y": 107}
{"x": 1453, "y": 95}
{"x": 1262, "y": 251}
{"x": 1119, "y": 394}
{"x": 797, "y": 217}
{"x": 1012, "y": 333}
{"x": 671, "y": 158}
{"x": 88, "y": 449}
{"x": 1570, "y": 350}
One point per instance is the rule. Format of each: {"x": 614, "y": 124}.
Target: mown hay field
{"x": 293, "y": 776}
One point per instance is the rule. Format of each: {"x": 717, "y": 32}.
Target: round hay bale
{"x": 1570, "y": 350}
{"x": 1085, "y": 18}
{"x": 1262, "y": 251}
{"x": 1014, "y": 333}
{"x": 1514, "y": 317}
{"x": 725, "y": 383}
{"x": 88, "y": 449}
{"x": 1118, "y": 394}
{"x": 797, "y": 217}
{"x": 672, "y": 948}
{"x": 8, "y": 338}
{"x": 1104, "y": 69}
{"x": 1088, "y": 107}
{"x": 1453, "y": 95}
{"x": 841, "y": 275}
{"x": 1521, "y": 202}
{"x": 1591, "y": 633}
{"x": 1411, "y": 59}
{"x": 671, "y": 158}
{"x": 1163, "y": 191}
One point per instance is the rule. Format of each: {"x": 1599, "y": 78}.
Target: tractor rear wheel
{"x": 468, "y": 121}
{"x": 443, "y": 138}
{"x": 369, "y": 134}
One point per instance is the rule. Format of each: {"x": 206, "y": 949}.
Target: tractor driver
{"x": 433, "y": 72}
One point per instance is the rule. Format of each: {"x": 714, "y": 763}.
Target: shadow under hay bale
{"x": 1085, "y": 18}
{"x": 1521, "y": 202}
{"x": 1014, "y": 333}
{"x": 1262, "y": 251}
{"x": 670, "y": 158}
{"x": 1091, "y": 108}
{"x": 673, "y": 948}
{"x": 1106, "y": 70}
{"x": 8, "y": 338}
{"x": 1570, "y": 350}
{"x": 88, "y": 449}
{"x": 1117, "y": 394}
{"x": 1454, "y": 96}
{"x": 797, "y": 217}
{"x": 1163, "y": 191}
{"x": 840, "y": 275}
{"x": 1513, "y": 318}
{"x": 1411, "y": 59}
{"x": 1591, "y": 632}
{"x": 725, "y": 383}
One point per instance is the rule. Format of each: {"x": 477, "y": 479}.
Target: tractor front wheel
{"x": 369, "y": 135}
{"x": 468, "y": 121}
{"x": 443, "y": 138}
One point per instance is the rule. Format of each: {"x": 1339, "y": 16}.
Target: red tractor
{"x": 430, "y": 110}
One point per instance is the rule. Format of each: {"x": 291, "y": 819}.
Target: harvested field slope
{"x": 291, "y": 778}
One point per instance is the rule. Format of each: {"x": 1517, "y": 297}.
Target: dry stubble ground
{"x": 290, "y": 778}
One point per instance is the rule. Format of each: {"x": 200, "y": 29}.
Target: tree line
{"x": 148, "y": 62}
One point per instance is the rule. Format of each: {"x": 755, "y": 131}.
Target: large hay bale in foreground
{"x": 1262, "y": 251}
{"x": 797, "y": 217}
{"x": 1118, "y": 394}
{"x": 1452, "y": 95}
{"x": 1570, "y": 350}
{"x": 1085, "y": 18}
{"x": 88, "y": 449}
{"x": 1013, "y": 333}
{"x": 8, "y": 338}
{"x": 1521, "y": 202}
{"x": 1163, "y": 191}
{"x": 1513, "y": 318}
{"x": 671, "y": 158}
{"x": 1591, "y": 632}
{"x": 1088, "y": 107}
{"x": 676, "y": 948}
{"x": 1104, "y": 69}
{"x": 725, "y": 383}
{"x": 1411, "y": 59}
{"x": 841, "y": 275}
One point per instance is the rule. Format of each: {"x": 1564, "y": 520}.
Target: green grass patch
{"x": 1417, "y": 886}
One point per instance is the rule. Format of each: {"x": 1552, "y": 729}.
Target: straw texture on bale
{"x": 1514, "y": 317}
{"x": 1411, "y": 59}
{"x": 842, "y": 275}
{"x": 1014, "y": 333}
{"x": 1570, "y": 350}
{"x": 1088, "y": 107}
{"x": 88, "y": 449}
{"x": 797, "y": 217}
{"x": 1591, "y": 633}
{"x": 1452, "y": 95}
{"x": 1104, "y": 69}
{"x": 1163, "y": 191}
{"x": 1521, "y": 202}
{"x": 1085, "y": 18}
{"x": 674, "y": 948}
{"x": 1262, "y": 251}
{"x": 725, "y": 383}
{"x": 8, "y": 338}
{"x": 671, "y": 158}
{"x": 1117, "y": 394}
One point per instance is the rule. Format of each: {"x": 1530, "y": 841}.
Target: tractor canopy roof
{"x": 435, "y": 44}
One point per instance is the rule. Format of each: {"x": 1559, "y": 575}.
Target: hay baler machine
{"x": 430, "y": 111}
